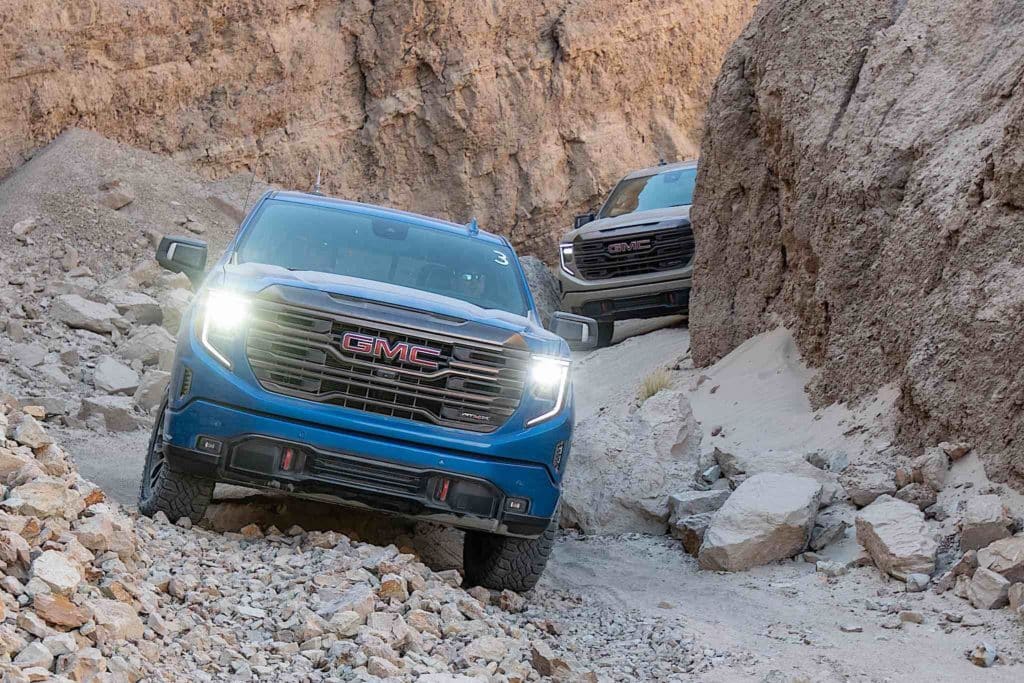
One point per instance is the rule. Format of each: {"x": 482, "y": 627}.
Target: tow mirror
{"x": 183, "y": 255}
{"x": 582, "y": 220}
{"x": 579, "y": 331}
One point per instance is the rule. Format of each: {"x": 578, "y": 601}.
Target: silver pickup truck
{"x": 634, "y": 257}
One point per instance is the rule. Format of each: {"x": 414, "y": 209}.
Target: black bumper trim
{"x": 317, "y": 485}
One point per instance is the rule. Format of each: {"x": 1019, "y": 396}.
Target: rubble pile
{"x": 74, "y": 600}
{"x": 91, "y": 593}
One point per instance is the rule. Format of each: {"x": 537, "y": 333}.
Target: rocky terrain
{"x": 518, "y": 113}
{"x": 816, "y": 490}
{"x": 860, "y": 184}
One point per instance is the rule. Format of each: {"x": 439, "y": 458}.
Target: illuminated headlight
{"x": 565, "y": 258}
{"x": 224, "y": 314}
{"x": 549, "y": 381}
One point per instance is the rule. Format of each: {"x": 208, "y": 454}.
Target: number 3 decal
{"x": 502, "y": 260}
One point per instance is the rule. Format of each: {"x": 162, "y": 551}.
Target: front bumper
{"x": 627, "y": 298}
{"x": 359, "y": 458}
{"x": 358, "y": 470}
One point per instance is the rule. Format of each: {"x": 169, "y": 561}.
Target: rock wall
{"x": 520, "y": 113}
{"x": 861, "y": 183}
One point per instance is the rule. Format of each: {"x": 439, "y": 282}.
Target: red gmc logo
{"x": 379, "y": 347}
{"x": 626, "y": 247}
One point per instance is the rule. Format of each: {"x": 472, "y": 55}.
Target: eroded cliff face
{"x": 520, "y": 113}
{"x": 862, "y": 183}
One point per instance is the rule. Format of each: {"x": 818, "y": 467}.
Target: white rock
{"x": 30, "y": 433}
{"x": 35, "y": 655}
{"x": 28, "y": 355}
{"x": 695, "y": 502}
{"x": 930, "y": 468}
{"x": 152, "y": 390}
{"x": 769, "y": 517}
{"x": 116, "y": 412}
{"x": 1005, "y": 557}
{"x": 896, "y": 537}
{"x": 114, "y": 377}
{"x": 77, "y": 312}
{"x": 985, "y": 520}
{"x": 174, "y": 303}
{"x": 988, "y": 590}
{"x": 44, "y": 497}
{"x": 135, "y": 306}
{"x": 145, "y": 344}
{"x": 57, "y": 571}
{"x": 865, "y": 483}
{"x": 625, "y": 467}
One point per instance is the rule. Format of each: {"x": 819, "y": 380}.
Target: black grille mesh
{"x": 296, "y": 351}
{"x": 653, "y": 252}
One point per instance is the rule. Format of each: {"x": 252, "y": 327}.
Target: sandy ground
{"x": 781, "y": 622}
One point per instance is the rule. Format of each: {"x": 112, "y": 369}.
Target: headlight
{"x": 549, "y": 381}
{"x": 565, "y": 258}
{"x": 224, "y": 314}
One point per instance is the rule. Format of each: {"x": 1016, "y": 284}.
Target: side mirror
{"x": 579, "y": 331}
{"x": 183, "y": 255}
{"x": 582, "y": 220}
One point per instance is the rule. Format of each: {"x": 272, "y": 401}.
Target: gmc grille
{"x": 297, "y": 352}
{"x": 634, "y": 254}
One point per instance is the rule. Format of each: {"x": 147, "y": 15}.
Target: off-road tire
{"x": 504, "y": 562}
{"x": 605, "y": 332}
{"x": 176, "y": 494}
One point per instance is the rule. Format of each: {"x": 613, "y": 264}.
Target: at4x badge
{"x": 380, "y": 347}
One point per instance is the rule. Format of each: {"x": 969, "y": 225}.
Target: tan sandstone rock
{"x": 896, "y": 536}
{"x": 985, "y": 520}
{"x": 769, "y": 517}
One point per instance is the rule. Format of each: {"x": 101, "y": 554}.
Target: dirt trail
{"x": 780, "y": 622}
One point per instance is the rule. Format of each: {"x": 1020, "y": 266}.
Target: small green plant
{"x": 654, "y": 382}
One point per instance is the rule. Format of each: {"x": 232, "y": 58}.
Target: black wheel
{"x": 605, "y": 332}
{"x": 503, "y": 562}
{"x": 165, "y": 490}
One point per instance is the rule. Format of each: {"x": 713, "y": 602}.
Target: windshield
{"x": 332, "y": 240}
{"x": 658, "y": 191}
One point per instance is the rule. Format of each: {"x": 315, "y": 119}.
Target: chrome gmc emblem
{"x": 627, "y": 247}
{"x": 380, "y": 347}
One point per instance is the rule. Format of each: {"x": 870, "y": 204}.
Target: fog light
{"x": 208, "y": 445}
{"x": 519, "y": 505}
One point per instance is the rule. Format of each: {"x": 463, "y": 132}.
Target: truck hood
{"x": 651, "y": 217}
{"x": 255, "y": 277}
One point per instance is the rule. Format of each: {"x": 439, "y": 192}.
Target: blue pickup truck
{"x": 373, "y": 358}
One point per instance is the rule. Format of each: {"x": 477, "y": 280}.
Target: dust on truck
{"x": 374, "y": 358}
{"x": 634, "y": 257}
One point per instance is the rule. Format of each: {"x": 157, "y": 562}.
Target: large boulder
{"x": 988, "y": 590}
{"x": 80, "y": 313}
{"x": 146, "y": 343}
{"x": 173, "y": 305}
{"x": 896, "y": 537}
{"x": 985, "y": 520}
{"x": 930, "y": 468}
{"x": 44, "y": 497}
{"x": 1005, "y": 557}
{"x": 114, "y": 377}
{"x": 624, "y": 467}
{"x": 769, "y": 517}
{"x": 543, "y": 286}
{"x": 116, "y": 412}
{"x": 861, "y": 180}
{"x": 864, "y": 483}
{"x": 135, "y": 306}
{"x": 152, "y": 390}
